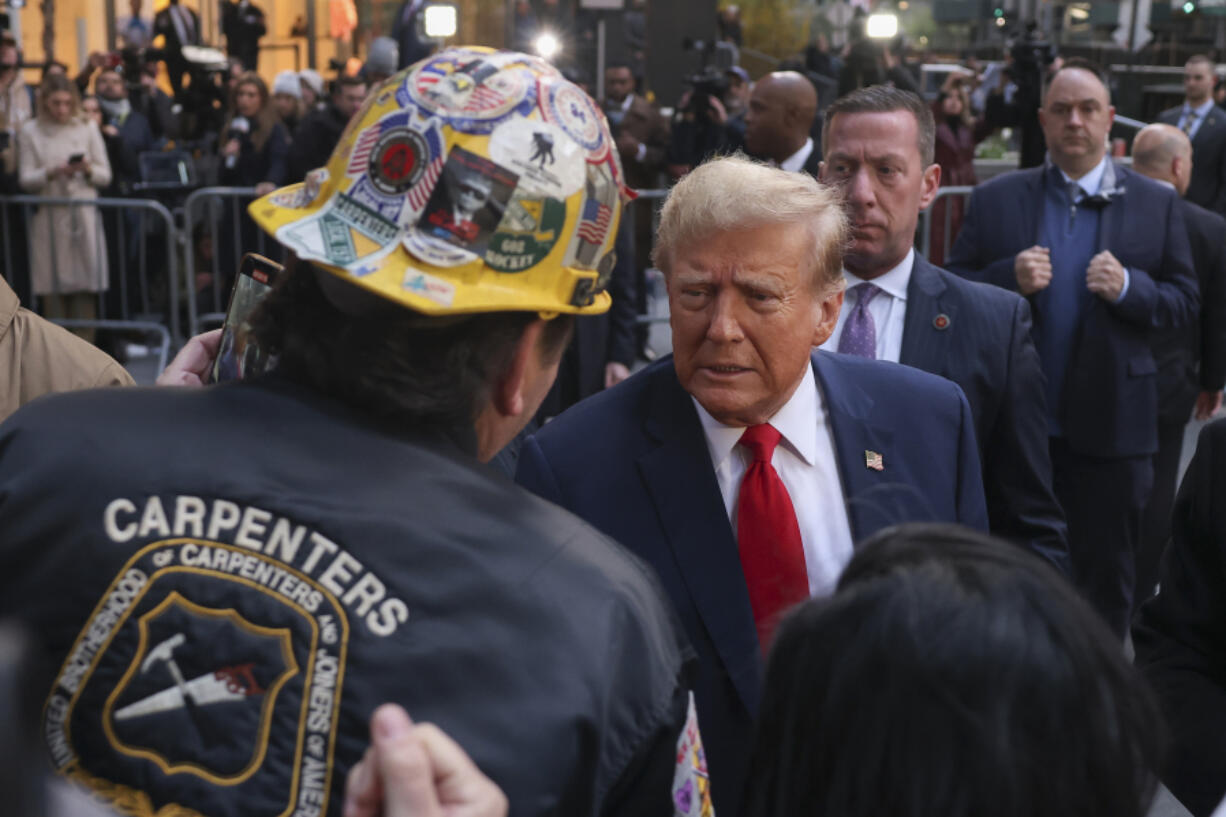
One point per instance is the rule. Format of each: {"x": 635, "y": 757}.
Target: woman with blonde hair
{"x": 61, "y": 154}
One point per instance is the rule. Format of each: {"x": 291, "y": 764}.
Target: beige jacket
{"x": 67, "y": 244}
{"x": 37, "y": 357}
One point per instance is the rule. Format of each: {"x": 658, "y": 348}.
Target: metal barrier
{"x": 947, "y": 197}
{"x": 216, "y": 228}
{"x": 137, "y": 298}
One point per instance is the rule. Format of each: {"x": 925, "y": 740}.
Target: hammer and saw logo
{"x": 195, "y": 669}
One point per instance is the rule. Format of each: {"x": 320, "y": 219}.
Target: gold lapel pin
{"x": 873, "y": 460}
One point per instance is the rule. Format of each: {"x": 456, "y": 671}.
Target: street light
{"x": 547, "y": 45}
{"x": 440, "y": 20}
{"x": 881, "y": 26}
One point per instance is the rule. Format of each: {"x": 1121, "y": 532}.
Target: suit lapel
{"x": 682, "y": 484}
{"x": 1111, "y": 220}
{"x": 929, "y": 321}
{"x": 856, "y": 438}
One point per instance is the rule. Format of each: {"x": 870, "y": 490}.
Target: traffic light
{"x": 1000, "y": 12}
{"x": 1189, "y": 7}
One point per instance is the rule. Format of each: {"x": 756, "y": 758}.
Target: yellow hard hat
{"x": 475, "y": 181}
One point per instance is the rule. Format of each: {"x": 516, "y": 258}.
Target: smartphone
{"x": 75, "y": 158}
{"x": 239, "y": 357}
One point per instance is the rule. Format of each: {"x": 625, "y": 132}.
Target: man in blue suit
{"x": 879, "y": 145}
{"x": 1103, "y": 256}
{"x": 745, "y": 467}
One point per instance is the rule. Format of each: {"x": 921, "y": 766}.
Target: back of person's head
{"x": 951, "y": 675}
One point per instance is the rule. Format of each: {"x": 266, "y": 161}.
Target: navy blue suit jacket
{"x": 979, "y": 337}
{"x": 633, "y": 462}
{"x": 1110, "y": 396}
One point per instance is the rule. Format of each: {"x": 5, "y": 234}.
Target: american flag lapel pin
{"x": 873, "y": 460}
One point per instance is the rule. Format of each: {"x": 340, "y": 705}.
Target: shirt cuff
{"x": 641, "y": 153}
{"x": 1124, "y": 291}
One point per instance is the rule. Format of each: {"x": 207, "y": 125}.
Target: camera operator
{"x": 703, "y": 125}
{"x": 1028, "y": 61}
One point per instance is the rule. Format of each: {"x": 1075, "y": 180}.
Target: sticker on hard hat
{"x": 468, "y": 202}
{"x": 527, "y": 234}
{"x": 302, "y": 197}
{"x": 574, "y": 112}
{"x": 428, "y": 286}
{"x": 435, "y": 251}
{"x": 473, "y": 94}
{"x": 595, "y": 219}
{"x": 344, "y": 232}
{"x": 549, "y": 162}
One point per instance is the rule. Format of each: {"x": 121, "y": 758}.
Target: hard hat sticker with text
{"x": 472, "y": 93}
{"x": 468, "y": 202}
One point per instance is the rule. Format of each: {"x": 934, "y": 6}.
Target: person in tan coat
{"x": 37, "y": 357}
{"x": 67, "y": 246}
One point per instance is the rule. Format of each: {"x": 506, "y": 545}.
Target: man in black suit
{"x": 178, "y": 26}
{"x": 1180, "y": 634}
{"x": 1102, "y": 254}
{"x": 1205, "y": 125}
{"x": 781, "y": 113}
{"x": 1192, "y": 362}
{"x": 243, "y": 24}
{"x": 879, "y": 144}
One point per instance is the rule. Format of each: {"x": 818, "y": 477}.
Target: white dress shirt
{"x": 889, "y": 309}
{"x": 796, "y": 162}
{"x": 805, "y": 461}
{"x": 1199, "y": 112}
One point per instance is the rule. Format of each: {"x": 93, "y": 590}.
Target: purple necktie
{"x": 860, "y": 332}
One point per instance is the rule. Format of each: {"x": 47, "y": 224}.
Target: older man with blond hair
{"x": 746, "y": 466}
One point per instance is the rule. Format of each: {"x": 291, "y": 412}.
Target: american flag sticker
{"x": 594, "y": 223}
{"x": 361, "y": 149}
{"x": 873, "y": 460}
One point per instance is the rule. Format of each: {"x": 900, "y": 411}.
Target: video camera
{"x": 1031, "y": 56}
{"x": 711, "y": 80}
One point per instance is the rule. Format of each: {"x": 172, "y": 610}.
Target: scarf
{"x": 115, "y": 110}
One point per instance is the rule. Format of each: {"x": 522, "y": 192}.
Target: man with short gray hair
{"x": 745, "y": 467}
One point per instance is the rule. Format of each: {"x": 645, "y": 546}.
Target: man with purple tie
{"x": 879, "y": 144}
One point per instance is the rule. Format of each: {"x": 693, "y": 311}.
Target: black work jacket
{"x": 227, "y": 581}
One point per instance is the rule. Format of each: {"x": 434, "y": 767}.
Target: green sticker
{"x": 527, "y": 233}
{"x": 338, "y": 243}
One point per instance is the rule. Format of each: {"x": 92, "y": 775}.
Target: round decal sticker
{"x": 398, "y": 160}
{"x": 574, "y": 112}
{"x": 549, "y": 162}
{"x": 473, "y": 93}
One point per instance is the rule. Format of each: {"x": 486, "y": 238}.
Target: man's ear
{"x": 827, "y": 317}
{"x": 509, "y": 389}
{"x": 930, "y": 184}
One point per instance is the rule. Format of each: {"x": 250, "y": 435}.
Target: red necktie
{"x": 768, "y": 536}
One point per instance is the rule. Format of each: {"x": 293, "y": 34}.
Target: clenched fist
{"x": 1033, "y": 269}
{"x": 1105, "y": 276}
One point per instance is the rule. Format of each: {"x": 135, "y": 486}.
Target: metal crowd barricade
{"x": 948, "y": 195}
{"x": 657, "y": 308}
{"x": 139, "y": 297}
{"x": 215, "y": 220}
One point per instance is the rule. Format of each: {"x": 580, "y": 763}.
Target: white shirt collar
{"x": 627, "y": 102}
{"x": 1202, "y": 110}
{"x": 1092, "y": 181}
{"x": 795, "y": 421}
{"x": 796, "y": 162}
{"x": 893, "y": 282}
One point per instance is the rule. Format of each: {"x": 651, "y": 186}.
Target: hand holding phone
{"x": 76, "y": 158}
{"x": 239, "y": 356}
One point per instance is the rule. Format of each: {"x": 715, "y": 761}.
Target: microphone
{"x": 239, "y": 127}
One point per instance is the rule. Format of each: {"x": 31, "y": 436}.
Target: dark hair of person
{"x": 347, "y": 81}
{"x": 265, "y": 120}
{"x": 951, "y": 675}
{"x": 1081, "y": 64}
{"x": 887, "y": 99}
{"x": 395, "y": 365}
